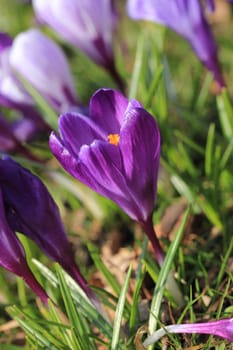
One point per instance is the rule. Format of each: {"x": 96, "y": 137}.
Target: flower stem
{"x": 171, "y": 284}
{"x": 158, "y": 250}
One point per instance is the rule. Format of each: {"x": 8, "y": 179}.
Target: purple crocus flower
{"x": 115, "y": 151}
{"x": 188, "y": 20}
{"x": 12, "y": 134}
{"x": 42, "y": 63}
{"x": 31, "y": 210}
{"x": 88, "y": 25}
{"x": 12, "y": 256}
{"x": 222, "y": 328}
{"x": 12, "y": 93}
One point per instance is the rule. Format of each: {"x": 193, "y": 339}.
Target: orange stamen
{"x": 114, "y": 139}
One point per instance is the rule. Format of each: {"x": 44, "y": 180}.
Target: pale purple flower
{"x": 88, "y": 25}
{"x": 12, "y": 256}
{"x": 188, "y": 20}
{"x": 115, "y": 151}
{"x": 41, "y": 62}
{"x": 222, "y": 328}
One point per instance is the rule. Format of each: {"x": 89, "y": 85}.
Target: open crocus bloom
{"x": 12, "y": 256}
{"x": 115, "y": 151}
{"x": 188, "y": 20}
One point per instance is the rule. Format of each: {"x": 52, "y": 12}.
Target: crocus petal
{"x": 31, "y": 210}
{"x": 140, "y": 148}
{"x": 12, "y": 256}
{"x": 222, "y": 328}
{"x": 83, "y": 27}
{"x": 187, "y": 19}
{"x": 107, "y": 109}
{"x": 5, "y": 41}
{"x": 40, "y": 61}
{"x": 100, "y": 167}
{"x": 76, "y": 130}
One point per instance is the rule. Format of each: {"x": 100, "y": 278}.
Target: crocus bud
{"x": 12, "y": 256}
{"x": 188, "y": 20}
{"x": 41, "y": 62}
{"x": 31, "y": 210}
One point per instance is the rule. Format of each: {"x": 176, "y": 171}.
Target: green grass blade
{"x": 80, "y": 333}
{"x": 225, "y": 114}
{"x": 119, "y": 313}
{"x": 85, "y": 307}
{"x": 140, "y": 273}
{"x": 102, "y": 268}
{"x": 164, "y": 275}
{"x": 209, "y": 151}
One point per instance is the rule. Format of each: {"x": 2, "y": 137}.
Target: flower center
{"x": 114, "y": 139}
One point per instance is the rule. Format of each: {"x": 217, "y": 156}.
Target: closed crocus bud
{"x": 115, "y": 151}
{"x": 41, "y": 62}
{"x": 12, "y": 256}
{"x": 31, "y": 210}
{"x": 188, "y": 20}
{"x": 88, "y": 25}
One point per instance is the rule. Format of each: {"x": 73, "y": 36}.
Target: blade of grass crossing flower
{"x": 164, "y": 275}
{"x": 119, "y": 313}
{"x": 225, "y": 112}
{"x": 79, "y": 330}
{"x": 47, "y": 111}
{"x": 209, "y": 151}
{"x": 140, "y": 273}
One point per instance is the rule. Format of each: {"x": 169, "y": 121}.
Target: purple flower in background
{"x": 115, "y": 152}
{"x": 188, "y": 20}
{"x": 12, "y": 256}
{"x": 12, "y": 134}
{"x": 31, "y": 210}
{"x": 88, "y": 25}
{"x": 222, "y": 328}
{"x": 43, "y": 64}
{"x": 12, "y": 92}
